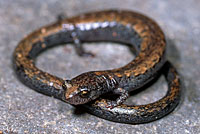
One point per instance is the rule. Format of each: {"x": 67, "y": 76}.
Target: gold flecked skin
{"x": 152, "y": 46}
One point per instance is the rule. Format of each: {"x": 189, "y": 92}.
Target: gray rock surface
{"x": 23, "y": 110}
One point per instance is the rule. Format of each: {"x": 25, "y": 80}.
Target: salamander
{"x": 120, "y": 26}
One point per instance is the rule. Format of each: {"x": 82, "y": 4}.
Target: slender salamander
{"x": 115, "y": 26}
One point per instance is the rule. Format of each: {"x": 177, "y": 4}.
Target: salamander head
{"x": 81, "y": 89}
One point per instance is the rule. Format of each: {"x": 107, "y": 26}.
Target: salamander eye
{"x": 84, "y": 93}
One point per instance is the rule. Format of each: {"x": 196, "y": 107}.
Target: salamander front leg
{"x": 123, "y": 96}
{"x": 79, "y": 48}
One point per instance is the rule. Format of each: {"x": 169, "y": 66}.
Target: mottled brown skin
{"x": 117, "y": 26}
{"x": 136, "y": 114}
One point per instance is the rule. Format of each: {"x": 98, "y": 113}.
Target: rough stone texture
{"x": 23, "y": 110}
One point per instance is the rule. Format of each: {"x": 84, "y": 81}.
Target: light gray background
{"x": 23, "y": 110}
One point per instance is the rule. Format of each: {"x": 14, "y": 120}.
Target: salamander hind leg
{"x": 123, "y": 96}
{"x": 61, "y": 16}
{"x": 79, "y": 48}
